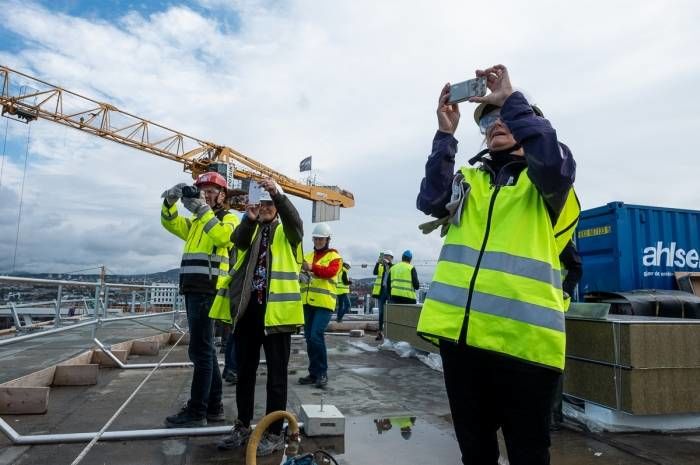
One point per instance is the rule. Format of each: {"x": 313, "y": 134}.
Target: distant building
{"x": 166, "y": 294}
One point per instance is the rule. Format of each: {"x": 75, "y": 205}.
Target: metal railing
{"x": 96, "y": 316}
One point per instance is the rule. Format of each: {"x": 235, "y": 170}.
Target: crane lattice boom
{"x": 27, "y": 98}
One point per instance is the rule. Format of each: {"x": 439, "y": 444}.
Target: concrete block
{"x": 103, "y": 359}
{"x": 23, "y": 400}
{"x": 322, "y": 420}
{"x": 357, "y": 332}
{"x": 145, "y": 347}
{"x": 76, "y": 375}
{"x": 175, "y": 335}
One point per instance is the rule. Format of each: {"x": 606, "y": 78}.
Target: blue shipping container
{"x": 625, "y": 247}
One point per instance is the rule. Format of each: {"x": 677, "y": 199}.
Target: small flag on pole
{"x": 305, "y": 164}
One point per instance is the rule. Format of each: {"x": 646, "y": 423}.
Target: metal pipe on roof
{"x": 17, "y": 279}
{"x": 64, "y": 438}
{"x": 136, "y": 317}
{"x": 141, "y": 366}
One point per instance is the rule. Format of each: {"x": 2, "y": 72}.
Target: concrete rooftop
{"x": 366, "y": 384}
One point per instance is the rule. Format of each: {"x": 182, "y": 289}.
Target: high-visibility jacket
{"x": 205, "y": 258}
{"x": 499, "y": 275}
{"x": 377, "y": 287}
{"x": 401, "y": 276}
{"x": 341, "y": 287}
{"x": 321, "y": 292}
{"x": 283, "y": 307}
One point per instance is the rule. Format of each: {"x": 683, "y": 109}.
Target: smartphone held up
{"x": 463, "y": 91}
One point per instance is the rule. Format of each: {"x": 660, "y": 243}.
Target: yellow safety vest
{"x": 342, "y": 288}
{"x": 284, "y": 307}
{"x": 321, "y": 292}
{"x": 402, "y": 280}
{"x": 207, "y": 242}
{"x": 377, "y": 288}
{"x": 499, "y": 272}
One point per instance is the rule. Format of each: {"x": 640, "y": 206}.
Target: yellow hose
{"x": 261, "y": 427}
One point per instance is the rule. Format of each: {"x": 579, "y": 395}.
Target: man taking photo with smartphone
{"x": 265, "y": 307}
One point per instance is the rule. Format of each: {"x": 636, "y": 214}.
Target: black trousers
{"x": 249, "y": 336}
{"x": 205, "y": 392}
{"x": 488, "y": 391}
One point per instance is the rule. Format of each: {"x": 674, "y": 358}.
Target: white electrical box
{"x": 322, "y": 420}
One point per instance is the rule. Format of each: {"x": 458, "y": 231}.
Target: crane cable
{"x": 21, "y": 195}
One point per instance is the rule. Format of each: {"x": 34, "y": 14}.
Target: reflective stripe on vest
{"x": 321, "y": 292}
{"x": 402, "y": 281}
{"x": 499, "y": 270}
{"x": 526, "y": 267}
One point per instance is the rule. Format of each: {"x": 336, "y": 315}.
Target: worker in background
{"x": 495, "y": 306}
{"x": 379, "y": 273}
{"x": 403, "y": 281}
{"x": 343, "y": 287}
{"x": 571, "y": 263}
{"x": 381, "y": 269}
{"x": 323, "y": 265}
{"x": 265, "y": 307}
{"x": 207, "y": 236}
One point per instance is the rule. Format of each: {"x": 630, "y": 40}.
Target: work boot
{"x": 217, "y": 414}
{"x": 307, "y": 380}
{"x": 231, "y": 377}
{"x": 185, "y": 418}
{"x": 238, "y": 437}
{"x": 269, "y": 444}
{"x": 379, "y": 337}
{"x": 322, "y": 381}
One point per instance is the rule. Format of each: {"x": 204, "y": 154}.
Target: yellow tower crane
{"x": 27, "y": 98}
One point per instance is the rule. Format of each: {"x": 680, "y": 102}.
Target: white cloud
{"x": 352, "y": 83}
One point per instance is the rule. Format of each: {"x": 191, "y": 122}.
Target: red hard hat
{"x": 211, "y": 177}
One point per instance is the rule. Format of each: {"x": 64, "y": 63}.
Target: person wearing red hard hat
{"x": 205, "y": 260}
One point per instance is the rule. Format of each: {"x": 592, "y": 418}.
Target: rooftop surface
{"x": 368, "y": 385}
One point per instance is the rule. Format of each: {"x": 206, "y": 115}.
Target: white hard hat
{"x": 389, "y": 252}
{"x": 321, "y": 230}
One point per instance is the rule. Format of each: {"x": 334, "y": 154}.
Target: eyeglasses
{"x": 488, "y": 120}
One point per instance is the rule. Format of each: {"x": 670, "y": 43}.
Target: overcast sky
{"x": 353, "y": 84}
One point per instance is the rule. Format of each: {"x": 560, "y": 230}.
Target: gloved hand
{"x": 173, "y": 194}
{"x": 196, "y": 205}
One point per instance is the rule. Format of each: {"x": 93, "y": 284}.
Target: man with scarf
{"x": 265, "y": 308}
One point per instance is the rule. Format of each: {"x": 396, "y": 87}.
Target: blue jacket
{"x": 551, "y": 166}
